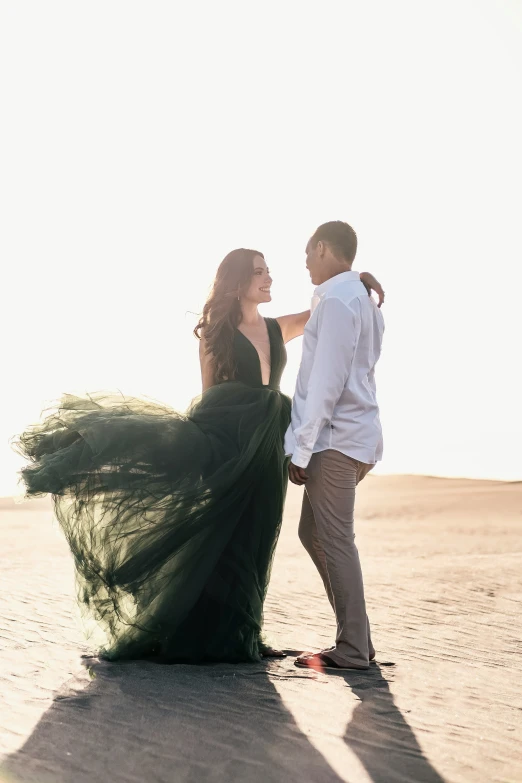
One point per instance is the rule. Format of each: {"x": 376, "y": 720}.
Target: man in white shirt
{"x": 335, "y": 436}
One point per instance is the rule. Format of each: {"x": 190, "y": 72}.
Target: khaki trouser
{"x": 326, "y": 531}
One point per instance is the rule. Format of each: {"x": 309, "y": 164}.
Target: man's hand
{"x": 297, "y": 475}
{"x": 371, "y": 284}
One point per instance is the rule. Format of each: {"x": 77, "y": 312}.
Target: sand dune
{"x": 443, "y": 567}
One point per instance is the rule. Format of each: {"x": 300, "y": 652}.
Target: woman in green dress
{"x": 172, "y": 519}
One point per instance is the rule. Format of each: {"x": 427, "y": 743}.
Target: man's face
{"x": 314, "y": 262}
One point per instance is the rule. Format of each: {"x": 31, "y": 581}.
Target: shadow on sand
{"x": 207, "y": 724}
{"x": 381, "y": 738}
{"x": 197, "y": 724}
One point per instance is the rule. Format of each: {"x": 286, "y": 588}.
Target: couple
{"x": 173, "y": 519}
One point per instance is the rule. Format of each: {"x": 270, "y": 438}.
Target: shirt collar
{"x": 344, "y": 277}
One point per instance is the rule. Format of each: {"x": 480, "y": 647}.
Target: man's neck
{"x": 339, "y": 269}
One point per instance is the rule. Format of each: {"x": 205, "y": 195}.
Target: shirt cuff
{"x": 301, "y": 458}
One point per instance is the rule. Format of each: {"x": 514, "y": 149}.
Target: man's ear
{"x": 320, "y": 248}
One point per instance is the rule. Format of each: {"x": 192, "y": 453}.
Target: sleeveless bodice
{"x": 247, "y": 358}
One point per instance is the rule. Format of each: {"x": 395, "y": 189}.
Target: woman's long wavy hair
{"x": 222, "y": 311}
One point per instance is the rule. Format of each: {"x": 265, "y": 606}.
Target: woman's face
{"x": 261, "y": 283}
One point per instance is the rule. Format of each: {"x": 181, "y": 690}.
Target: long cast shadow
{"x": 197, "y": 724}
{"x": 380, "y": 736}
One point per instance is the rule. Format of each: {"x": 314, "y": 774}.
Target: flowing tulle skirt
{"x": 172, "y": 519}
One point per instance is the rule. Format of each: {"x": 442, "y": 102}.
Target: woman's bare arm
{"x": 207, "y": 368}
{"x": 292, "y": 326}
{"x": 372, "y": 284}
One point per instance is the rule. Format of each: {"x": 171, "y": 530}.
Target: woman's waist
{"x": 230, "y": 394}
{"x": 240, "y": 384}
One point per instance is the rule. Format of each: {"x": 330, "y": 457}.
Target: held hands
{"x": 371, "y": 284}
{"x": 297, "y": 475}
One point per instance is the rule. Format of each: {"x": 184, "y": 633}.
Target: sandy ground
{"x": 443, "y": 569}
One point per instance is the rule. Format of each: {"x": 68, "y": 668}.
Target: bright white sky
{"x": 143, "y": 141}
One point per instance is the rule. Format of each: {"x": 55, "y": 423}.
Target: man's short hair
{"x": 340, "y": 237}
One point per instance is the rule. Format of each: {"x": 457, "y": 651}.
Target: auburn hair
{"x": 222, "y": 311}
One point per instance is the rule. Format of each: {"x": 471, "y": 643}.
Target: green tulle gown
{"x": 172, "y": 519}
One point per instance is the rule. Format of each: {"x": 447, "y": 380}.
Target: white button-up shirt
{"x": 335, "y": 405}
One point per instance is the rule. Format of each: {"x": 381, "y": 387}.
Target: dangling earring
{"x": 238, "y": 297}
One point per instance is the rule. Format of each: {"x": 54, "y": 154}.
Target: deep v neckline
{"x": 271, "y": 345}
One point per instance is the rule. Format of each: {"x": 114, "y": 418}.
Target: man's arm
{"x": 339, "y": 327}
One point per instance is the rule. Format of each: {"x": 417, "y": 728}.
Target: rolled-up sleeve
{"x": 339, "y": 327}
